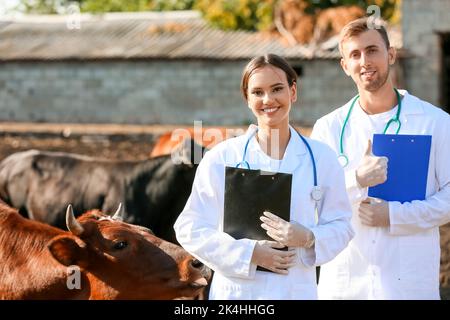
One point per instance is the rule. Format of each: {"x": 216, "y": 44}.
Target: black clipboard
{"x": 248, "y": 193}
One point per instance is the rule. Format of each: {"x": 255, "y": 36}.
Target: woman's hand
{"x": 290, "y": 234}
{"x": 266, "y": 255}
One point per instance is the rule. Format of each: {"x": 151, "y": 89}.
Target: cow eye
{"x": 120, "y": 245}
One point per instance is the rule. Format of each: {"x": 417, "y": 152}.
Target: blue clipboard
{"x": 409, "y": 156}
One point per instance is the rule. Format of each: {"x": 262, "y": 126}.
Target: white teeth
{"x": 370, "y": 73}
{"x": 270, "y": 109}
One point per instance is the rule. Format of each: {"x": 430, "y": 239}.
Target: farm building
{"x": 151, "y": 68}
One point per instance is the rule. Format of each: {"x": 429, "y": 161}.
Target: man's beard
{"x": 377, "y": 83}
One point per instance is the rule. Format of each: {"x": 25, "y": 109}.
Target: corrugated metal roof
{"x": 162, "y": 35}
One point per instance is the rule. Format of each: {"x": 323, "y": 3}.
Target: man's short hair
{"x": 358, "y": 26}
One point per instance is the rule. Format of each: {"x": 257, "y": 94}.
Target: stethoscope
{"x": 342, "y": 157}
{"x": 316, "y": 193}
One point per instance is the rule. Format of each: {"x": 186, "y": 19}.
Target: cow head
{"x": 124, "y": 261}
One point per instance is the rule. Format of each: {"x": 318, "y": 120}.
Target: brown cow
{"x": 206, "y": 137}
{"x": 115, "y": 260}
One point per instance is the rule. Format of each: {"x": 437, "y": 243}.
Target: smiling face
{"x": 270, "y": 97}
{"x": 366, "y": 59}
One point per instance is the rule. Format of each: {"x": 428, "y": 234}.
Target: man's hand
{"x": 278, "y": 261}
{"x": 372, "y": 169}
{"x": 374, "y": 212}
{"x": 290, "y": 234}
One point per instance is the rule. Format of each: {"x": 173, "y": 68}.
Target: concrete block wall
{"x": 154, "y": 92}
{"x": 421, "y": 20}
{"x": 323, "y": 87}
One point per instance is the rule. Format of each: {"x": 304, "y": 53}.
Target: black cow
{"x": 41, "y": 184}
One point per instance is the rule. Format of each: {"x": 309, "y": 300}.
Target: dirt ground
{"x": 127, "y": 143}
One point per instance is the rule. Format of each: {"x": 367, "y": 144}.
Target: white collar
{"x": 295, "y": 144}
{"x": 410, "y": 105}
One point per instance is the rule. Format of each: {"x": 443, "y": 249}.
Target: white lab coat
{"x": 199, "y": 227}
{"x": 400, "y": 261}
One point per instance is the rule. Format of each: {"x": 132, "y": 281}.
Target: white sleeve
{"x": 416, "y": 216}
{"x": 322, "y": 132}
{"x": 355, "y": 192}
{"x": 333, "y": 231}
{"x": 197, "y": 227}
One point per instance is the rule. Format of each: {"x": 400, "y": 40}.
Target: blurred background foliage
{"x": 252, "y": 15}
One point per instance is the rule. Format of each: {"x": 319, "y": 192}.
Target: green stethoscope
{"x": 342, "y": 157}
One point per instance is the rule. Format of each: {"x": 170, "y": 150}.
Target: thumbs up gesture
{"x": 372, "y": 170}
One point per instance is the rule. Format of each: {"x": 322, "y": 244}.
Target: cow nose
{"x": 196, "y": 264}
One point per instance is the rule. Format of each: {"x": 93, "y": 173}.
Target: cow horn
{"x": 118, "y": 215}
{"x": 72, "y": 224}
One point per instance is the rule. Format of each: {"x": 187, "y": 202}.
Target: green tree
{"x": 97, "y": 6}
{"x": 167, "y": 5}
{"x": 114, "y": 5}
{"x": 237, "y": 14}
{"x": 225, "y": 14}
{"x": 44, "y": 6}
{"x": 136, "y": 5}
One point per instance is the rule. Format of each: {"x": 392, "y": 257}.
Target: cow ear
{"x": 67, "y": 251}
